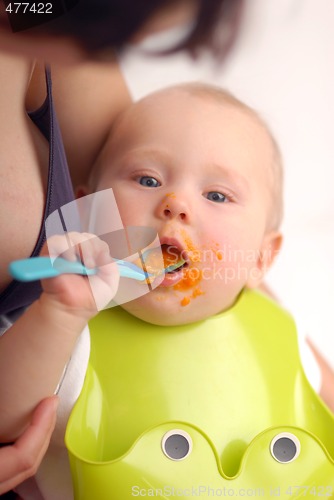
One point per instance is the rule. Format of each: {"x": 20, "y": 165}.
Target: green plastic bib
{"x": 215, "y": 408}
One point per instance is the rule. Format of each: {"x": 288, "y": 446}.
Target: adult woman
{"x": 89, "y": 94}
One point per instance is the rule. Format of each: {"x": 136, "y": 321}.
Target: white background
{"x": 283, "y": 66}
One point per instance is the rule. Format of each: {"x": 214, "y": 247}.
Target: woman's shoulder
{"x": 88, "y": 97}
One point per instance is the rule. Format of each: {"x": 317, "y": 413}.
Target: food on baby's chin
{"x": 191, "y": 276}
{"x": 197, "y": 292}
{"x": 190, "y": 279}
{"x": 187, "y": 298}
{"x": 185, "y": 301}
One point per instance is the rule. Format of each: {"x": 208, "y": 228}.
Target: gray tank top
{"x": 18, "y": 295}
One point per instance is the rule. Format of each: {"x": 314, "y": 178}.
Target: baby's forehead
{"x": 202, "y": 97}
{"x": 214, "y": 115}
{"x": 209, "y": 112}
{"x": 175, "y": 95}
{"x": 198, "y": 104}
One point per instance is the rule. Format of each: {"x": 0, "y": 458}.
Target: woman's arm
{"x": 36, "y": 349}
{"x": 33, "y": 355}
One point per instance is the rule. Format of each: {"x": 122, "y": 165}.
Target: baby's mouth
{"x": 174, "y": 258}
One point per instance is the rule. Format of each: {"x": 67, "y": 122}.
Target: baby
{"x": 203, "y": 170}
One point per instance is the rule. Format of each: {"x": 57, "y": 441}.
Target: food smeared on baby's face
{"x": 191, "y": 275}
{"x": 186, "y": 263}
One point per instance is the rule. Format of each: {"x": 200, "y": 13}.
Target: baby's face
{"x": 196, "y": 171}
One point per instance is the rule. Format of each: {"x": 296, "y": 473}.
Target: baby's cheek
{"x": 205, "y": 275}
{"x": 225, "y": 272}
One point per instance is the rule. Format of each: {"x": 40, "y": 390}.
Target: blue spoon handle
{"x": 37, "y": 268}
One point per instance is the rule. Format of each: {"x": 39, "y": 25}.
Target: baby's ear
{"x": 81, "y": 191}
{"x": 269, "y": 250}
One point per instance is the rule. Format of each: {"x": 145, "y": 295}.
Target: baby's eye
{"x": 149, "y": 181}
{"x": 216, "y": 197}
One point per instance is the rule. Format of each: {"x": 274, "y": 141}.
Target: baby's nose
{"x": 175, "y": 207}
{"x": 170, "y": 213}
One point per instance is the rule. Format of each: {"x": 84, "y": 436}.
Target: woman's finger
{"x": 21, "y": 460}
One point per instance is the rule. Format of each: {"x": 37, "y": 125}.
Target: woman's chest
{"x": 23, "y": 179}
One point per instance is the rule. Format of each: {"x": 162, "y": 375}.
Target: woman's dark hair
{"x": 97, "y": 24}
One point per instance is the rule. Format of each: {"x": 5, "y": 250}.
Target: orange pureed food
{"x": 191, "y": 276}
{"x": 190, "y": 279}
{"x": 153, "y": 263}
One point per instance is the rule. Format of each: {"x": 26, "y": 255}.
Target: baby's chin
{"x": 164, "y": 310}
{"x": 163, "y": 313}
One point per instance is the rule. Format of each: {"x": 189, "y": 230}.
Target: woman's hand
{"x": 21, "y": 459}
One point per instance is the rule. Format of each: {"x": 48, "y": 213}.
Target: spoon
{"x": 37, "y": 268}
